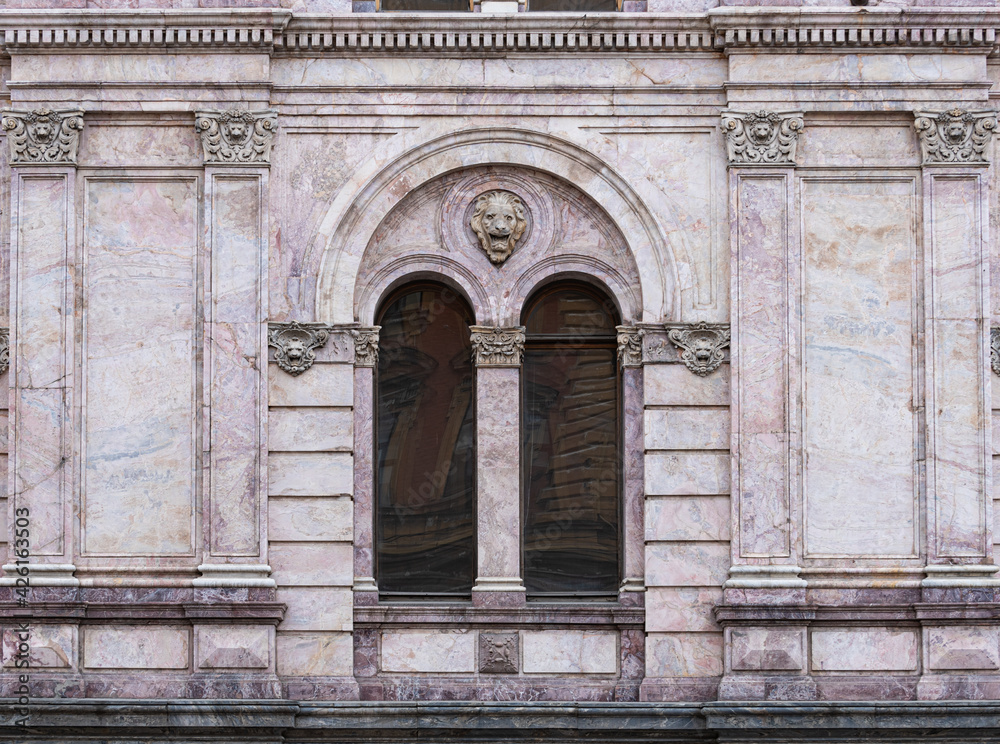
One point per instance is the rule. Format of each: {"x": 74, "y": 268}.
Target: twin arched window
{"x": 570, "y": 412}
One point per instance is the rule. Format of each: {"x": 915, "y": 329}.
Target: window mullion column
{"x": 498, "y": 353}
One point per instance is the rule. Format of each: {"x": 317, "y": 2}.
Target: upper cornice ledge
{"x": 281, "y": 31}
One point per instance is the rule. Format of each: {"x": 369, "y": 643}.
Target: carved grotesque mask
{"x": 43, "y": 129}
{"x": 499, "y": 223}
{"x": 295, "y": 351}
{"x": 760, "y": 133}
{"x": 955, "y": 132}
{"x": 236, "y": 131}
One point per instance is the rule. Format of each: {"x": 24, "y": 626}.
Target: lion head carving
{"x": 499, "y": 223}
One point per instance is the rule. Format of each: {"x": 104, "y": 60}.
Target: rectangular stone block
{"x": 429, "y": 651}
{"x": 49, "y": 647}
{"x": 687, "y": 564}
{"x": 869, "y": 650}
{"x": 684, "y": 655}
{"x": 688, "y": 518}
{"x": 233, "y": 647}
{"x": 316, "y": 608}
{"x": 310, "y": 474}
{"x": 146, "y": 647}
{"x": 678, "y": 609}
{"x": 687, "y": 428}
{"x": 310, "y": 429}
{"x": 323, "y": 385}
{"x": 764, "y": 649}
{"x": 954, "y": 648}
{"x": 305, "y": 518}
{"x": 686, "y": 473}
{"x": 315, "y": 654}
{"x": 569, "y": 652}
{"x": 312, "y": 564}
{"x": 676, "y": 385}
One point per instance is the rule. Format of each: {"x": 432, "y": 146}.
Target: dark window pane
{"x": 571, "y": 452}
{"x": 447, "y": 6}
{"x": 574, "y": 6}
{"x": 572, "y": 312}
{"x": 425, "y": 479}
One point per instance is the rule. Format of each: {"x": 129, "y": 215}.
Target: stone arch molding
{"x": 354, "y": 219}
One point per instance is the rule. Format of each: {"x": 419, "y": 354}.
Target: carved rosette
{"x": 43, "y": 136}
{"x": 702, "y": 344}
{"x": 762, "y": 137}
{"x": 498, "y": 220}
{"x": 236, "y": 136}
{"x": 4, "y": 350}
{"x": 630, "y": 346}
{"x": 498, "y": 653}
{"x": 955, "y": 136}
{"x": 497, "y": 347}
{"x": 995, "y": 350}
{"x": 294, "y": 342}
{"x": 365, "y": 346}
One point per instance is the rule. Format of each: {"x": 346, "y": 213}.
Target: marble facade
{"x": 791, "y": 204}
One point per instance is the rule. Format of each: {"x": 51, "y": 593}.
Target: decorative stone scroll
{"x": 499, "y": 222}
{"x": 955, "y": 136}
{"x": 630, "y": 346}
{"x": 236, "y": 136}
{"x": 4, "y": 350}
{"x": 498, "y": 653}
{"x": 701, "y": 344}
{"x": 995, "y": 350}
{"x": 365, "y": 346}
{"x": 42, "y": 136}
{"x": 294, "y": 342}
{"x": 497, "y": 347}
{"x": 762, "y": 137}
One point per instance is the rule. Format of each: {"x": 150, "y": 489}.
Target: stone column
{"x": 236, "y": 145}
{"x": 954, "y": 145}
{"x": 365, "y": 361}
{"x": 633, "y": 446}
{"x": 498, "y": 353}
{"x": 761, "y": 151}
{"x": 43, "y": 147}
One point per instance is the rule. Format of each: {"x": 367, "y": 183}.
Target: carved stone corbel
{"x": 955, "y": 136}
{"x": 497, "y": 347}
{"x": 236, "y": 136}
{"x": 995, "y": 350}
{"x": 630, "y": 346}
{"x": 294, "y": 342}
{"x": 701, "y": 344}
{"x": 762, "y": 137}
{"x": 365, "y": 346}
{"x": 42, "y": 136}
{"x": 4, "y": 350}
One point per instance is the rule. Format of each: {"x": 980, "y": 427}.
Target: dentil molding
{"x": 43, "y": 136}
{"x": 497, "y": 347}
{"x": 365, "y": 346}
{"x": 761, "y": 137}
{"x": 955, "y": 136}
{"x": 701, "y": 344}
{"x": 630, "y": 346}
{"x": 236, "y": 136}
{"x": 294, "y": 342}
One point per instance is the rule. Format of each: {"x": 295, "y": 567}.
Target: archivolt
{"x": 357, "y": 215}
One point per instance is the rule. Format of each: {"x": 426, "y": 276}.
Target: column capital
{"x": 43, "y": 137}
{"x": 630, "y": 346}
{"x": 497, "y": 347}
{"x": 236, "y": 136}
{"x": 955, "y": 137}
{"x": 762, "y": 137}
{"x": 366, "y": 346}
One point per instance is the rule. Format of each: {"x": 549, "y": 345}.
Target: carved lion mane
{"x": 499, "y": 223}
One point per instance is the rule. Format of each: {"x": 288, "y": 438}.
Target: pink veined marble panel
{"x": 957, "y": 404}
{"x": 139, "y": 343}
{"x": 570, "y": 652}
{"x": 867, "y": 650}
{"x": 39, "y": 372}
{"x": 761, "y": 327}
{"x": 136, "y": 647}
{"x": 859, "y": 480}
{"x": 315, "y": 654}
{"x": 429, "y": 651}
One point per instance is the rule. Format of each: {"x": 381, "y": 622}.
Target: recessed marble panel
{"x": 429, "y": 651}
{"x": 315, "y": 654}
{"x": 868, "y": 650}
{"x": 569, "y": 652}
{"x": 49, "y": 647}
{"x": 954, "y": 648}
{"x": 859, "y": 462}
{"x": 765, "y": 649}
{"x": 139, "y": 384}
{"x": 140, "y": 647}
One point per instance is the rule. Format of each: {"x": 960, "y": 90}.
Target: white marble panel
{"x": 137, "y": 647}
{"x": 684, "y": 655}
{"x": 326, "y": 385}
{"x": 569, "y": 652}
{"x": 310, "y": 474}
{"x": 310, "y": 429}
{"x": 688, "y": 518}
{"x": 429, "y": 651}
{"x": 687, "y": 564}
{"x": 316, "y": 608}
{"x": 312, "y": 564}
{"x": 139, "y": 384}
{"x": 684, "y": 473}
{"x": 868, "y": 650}
{"x": 306, "y": 518}
{"x": 859, "y": 258}
{"x": 675, "y": 385}
{"x": 687, "y": 429}
{"x": 315, "y": 654}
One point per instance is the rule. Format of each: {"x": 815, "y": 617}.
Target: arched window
{"x": 571, "y": 461}
{"x": 425, "y": 445}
